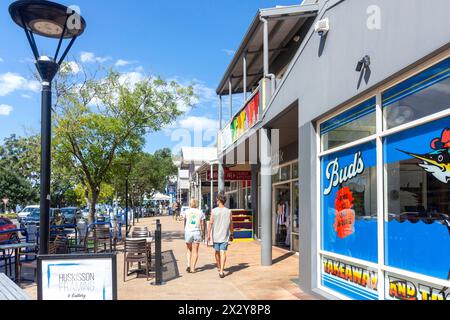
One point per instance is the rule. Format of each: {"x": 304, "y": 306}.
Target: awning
{"x": 160, "y": 197}
{"x": 284, "y": 24}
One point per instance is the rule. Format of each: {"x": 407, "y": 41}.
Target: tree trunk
{"x": 92, "y": 205}
{"x": 86, "y": 196}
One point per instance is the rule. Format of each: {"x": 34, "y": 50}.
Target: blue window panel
{"x": 362, "y": 110}
{"x": 421, "y": 242}
{"x": 362, "y": 244}
{"x": 419, "y": 82}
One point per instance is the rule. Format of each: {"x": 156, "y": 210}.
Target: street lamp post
{"x": 127, "y": 167}
{"x": 50, "y": 20}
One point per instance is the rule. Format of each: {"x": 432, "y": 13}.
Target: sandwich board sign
{"x": 77, "y": 277}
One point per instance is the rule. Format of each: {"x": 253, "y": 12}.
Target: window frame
{"x": 378, "y": 137}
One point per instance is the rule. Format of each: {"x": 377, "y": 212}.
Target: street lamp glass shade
{"x": 47, "y": 18}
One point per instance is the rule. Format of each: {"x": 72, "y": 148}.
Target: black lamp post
{"x": 127, "y": 167}
{"x": 50, "y": 20}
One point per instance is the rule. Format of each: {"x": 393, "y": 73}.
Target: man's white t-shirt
{"x": 194, "y": 218}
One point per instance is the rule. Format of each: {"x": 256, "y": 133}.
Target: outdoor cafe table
{"x": 17, "y": 247}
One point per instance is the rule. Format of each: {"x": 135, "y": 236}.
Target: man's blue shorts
{"x": 221, "y": 246}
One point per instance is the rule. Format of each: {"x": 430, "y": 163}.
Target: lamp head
{"x": 47, "y": 19}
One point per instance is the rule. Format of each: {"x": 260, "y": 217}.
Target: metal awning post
{"x": 230, "y": 92}
{"x": 220, "y": 114}
{"x": 211, "y": 176}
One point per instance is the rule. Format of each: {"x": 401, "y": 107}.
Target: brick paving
{"x": 247, "y": 280}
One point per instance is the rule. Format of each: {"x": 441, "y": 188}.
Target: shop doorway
{"x": 282, "y": 213}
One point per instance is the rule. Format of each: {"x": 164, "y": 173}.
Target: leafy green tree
{"x": 22, "y": 155}
{"x": 17, "y": 189}
{"x": 99, "y": 119}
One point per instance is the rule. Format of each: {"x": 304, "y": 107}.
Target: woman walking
{"x": 221, "y": 232}
{"x": 193, "y": 234}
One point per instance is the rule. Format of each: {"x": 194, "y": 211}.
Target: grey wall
{"x": 410, "y": 30}
{"x": 323, "y": 78}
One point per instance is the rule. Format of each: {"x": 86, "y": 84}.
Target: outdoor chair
{"x": 140, "y": 232}
{"x": 61, "y": 244}
{"x": 33, "y": 263}
{"x": 143, "y": 233}
{"x": 135, "y": 251}
{"x": 102, "y": 238}
{"x": 6, "y": 257}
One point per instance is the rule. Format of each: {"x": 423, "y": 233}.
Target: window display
{"x": 282, "y": 217}
{"x": 349, "y": 203}
{"x": 415, "y": 180}
{"x": 418, "y": 199}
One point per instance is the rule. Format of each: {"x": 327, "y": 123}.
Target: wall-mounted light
{"x": 364, "y": 62}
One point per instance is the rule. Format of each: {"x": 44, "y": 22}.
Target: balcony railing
{"x": 245, "y": 119}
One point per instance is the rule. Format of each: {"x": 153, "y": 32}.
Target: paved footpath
{"x": 247, "y": 280}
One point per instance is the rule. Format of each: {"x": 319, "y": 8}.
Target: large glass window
{"x": 349, "y": 203}
{"x": 417, "y": 187}
{"x": 415, "y": 199}
{"x": 419, "y": 96}
{"x": 354, "y": 124}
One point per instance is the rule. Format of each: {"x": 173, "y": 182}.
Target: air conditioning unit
{"x": 322, "y": 27}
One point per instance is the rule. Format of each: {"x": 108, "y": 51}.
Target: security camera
{"x": 322, "y": 27}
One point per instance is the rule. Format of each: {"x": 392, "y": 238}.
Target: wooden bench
{"x": 10, "y": 291}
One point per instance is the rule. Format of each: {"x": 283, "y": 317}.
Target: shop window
{"x": 276, "y": 177}
{"x": 285, "y": 173}
{"x": 349, "y": 203}
{"x": 351, "y": 125}
{"x": 295, "y": 171}
{"x": 417, "y": 223}
{"x": 419, "y": 96}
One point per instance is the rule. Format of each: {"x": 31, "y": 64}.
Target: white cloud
{"x": 204, "y": 93}
{"x": 71, "y": 67}
{"x": 229, "y": 52}
{"x": 10, "y": 82}
{"x": 131, "y": 78}
{"x": 1, "y": 60}
{"x": 91, "y": 57}
{"x": 122, "y": 63}
{"x": 5, "y": 110}
{"x": 199, "y": 123}
{"x": 27, "y": 96}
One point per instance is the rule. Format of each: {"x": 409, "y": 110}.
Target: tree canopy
{"x": 100, "y": 119}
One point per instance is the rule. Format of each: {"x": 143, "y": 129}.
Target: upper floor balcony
{"x": 259, "y": 65}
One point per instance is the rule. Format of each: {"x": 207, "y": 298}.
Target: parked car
{"x": 27, "y": 211}
{"x": 71, "y": 215}
{"x": 5, "y": 225}
{"x": 35, "y": 217}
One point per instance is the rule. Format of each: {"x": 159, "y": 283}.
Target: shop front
{"x": 285, "y": 207}
{"x": 384, "y": 191}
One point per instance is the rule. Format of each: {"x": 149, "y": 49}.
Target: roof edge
{"x": 267, "y": 13}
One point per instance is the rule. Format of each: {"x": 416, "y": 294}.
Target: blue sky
{"x": 190, "y": 41}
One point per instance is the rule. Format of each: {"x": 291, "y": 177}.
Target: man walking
{"x": 221, "y": 232}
